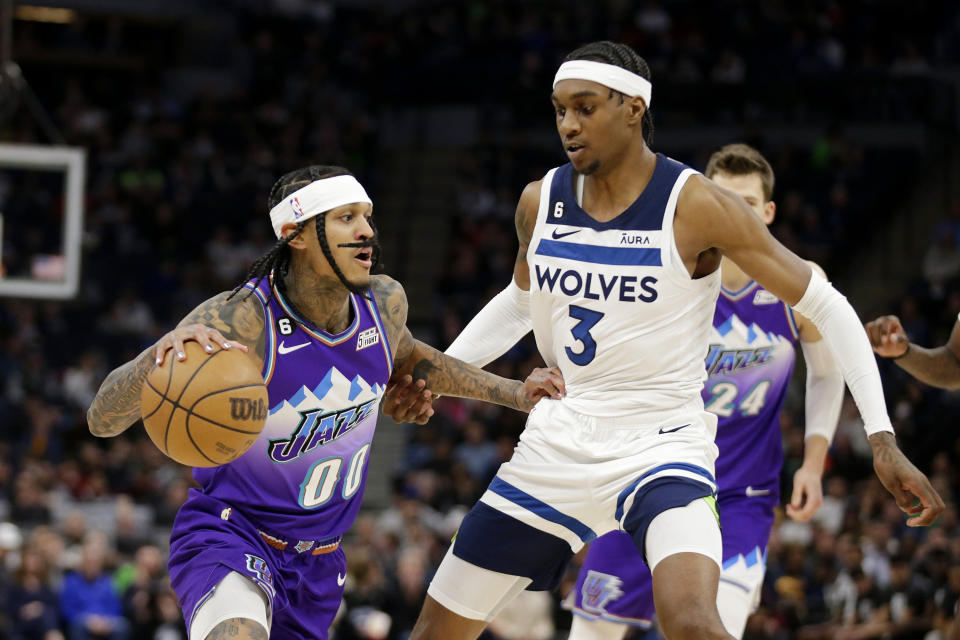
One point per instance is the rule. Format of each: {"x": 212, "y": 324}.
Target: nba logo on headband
{"x": 297, "y": 209}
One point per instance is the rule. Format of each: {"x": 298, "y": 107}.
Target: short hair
{"x": 742, "y": 160}
{"x": 620, "y": 55}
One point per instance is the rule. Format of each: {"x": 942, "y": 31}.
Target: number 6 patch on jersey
{"x": 285, "y": 326}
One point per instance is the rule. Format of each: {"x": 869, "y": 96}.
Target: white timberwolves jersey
{"x": 612, "y": 303}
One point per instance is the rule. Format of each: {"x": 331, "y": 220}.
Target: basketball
{"x": 206, "y": 410}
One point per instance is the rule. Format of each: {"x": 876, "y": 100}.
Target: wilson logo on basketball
{"x": 247, "y": 409}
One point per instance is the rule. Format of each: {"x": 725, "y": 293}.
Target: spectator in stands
{"x": 91, "y": 609}
{"x": 31, "y": 605}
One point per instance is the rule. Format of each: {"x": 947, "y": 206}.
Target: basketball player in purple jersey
{"x": 749, "y": 365}
{"x": 255, "y": 552}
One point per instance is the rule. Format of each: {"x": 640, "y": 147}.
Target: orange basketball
{"x": 208, "y": 409}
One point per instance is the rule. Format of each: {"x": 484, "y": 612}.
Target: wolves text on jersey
{"x": 596, "y": 286}
{"x": 317, "y": 428}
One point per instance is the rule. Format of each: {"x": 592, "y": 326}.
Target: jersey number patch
{"x": 322, "y": 478}
{"x": 726, "y": 401}
{"x": 581, "y": 332}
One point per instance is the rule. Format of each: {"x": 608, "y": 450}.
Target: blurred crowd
{"x": 178, "y": 173}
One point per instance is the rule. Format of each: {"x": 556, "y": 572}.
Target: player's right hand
{"x": 208, "y": 337}
{"x": 887, "y": 336}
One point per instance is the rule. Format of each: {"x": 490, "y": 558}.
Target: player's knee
{"x": 240, "y": 629}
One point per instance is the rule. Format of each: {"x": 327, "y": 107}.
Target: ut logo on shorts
{"x": 261, "y": 572}
{"x": 598, "y": 589}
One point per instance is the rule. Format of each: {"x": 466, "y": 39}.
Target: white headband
{"x": 609, "y": 75}
{"x": 317, "y": 197}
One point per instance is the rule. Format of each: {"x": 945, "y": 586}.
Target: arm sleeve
{"x": 840, "y": 327}
{"x": 825, "y": 387}
{"x": 493, "y": 331}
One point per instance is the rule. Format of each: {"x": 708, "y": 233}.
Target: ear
{"x": 289, "y": 228}
{"x": 769, "y": 212}
{"x": 636, "y": 107}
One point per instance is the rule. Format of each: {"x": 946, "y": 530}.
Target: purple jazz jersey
{"x": 749, "y": 364}
{"x": 302, "y": 481}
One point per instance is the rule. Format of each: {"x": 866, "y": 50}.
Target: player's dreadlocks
{"x": 277, "y": 260}
{"x": 620, "y": 55}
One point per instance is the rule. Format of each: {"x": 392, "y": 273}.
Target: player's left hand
{"x": 407, "y": 400}
{"x": 807, "y": 495}
{"x": 912, "y": 490}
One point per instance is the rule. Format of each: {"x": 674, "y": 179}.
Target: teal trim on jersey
{"x": 791, "y": 321}
{"x": 315, "y": 332}
{"x": 270, "y": 354}
{"x": 542, "y": 509}
{"x": 739, "y": 295}
{"x": 387, "y": 350}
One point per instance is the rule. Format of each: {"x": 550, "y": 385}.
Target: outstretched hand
{"x": 407, "y": 400}
{"x": 887, "y": 336}
{"x": 911, "y": 489}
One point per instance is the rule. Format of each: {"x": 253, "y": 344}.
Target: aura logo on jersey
{"x": 635, "y": 239}
{"x": 318, "y": 427}
{"x": 596, "y": 286}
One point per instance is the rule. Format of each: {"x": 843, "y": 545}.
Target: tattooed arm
{"x": 216, "y": 323}
{"x": 443, "y": 374}
{"x": 910, "y": 488}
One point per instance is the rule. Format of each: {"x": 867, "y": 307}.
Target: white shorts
{"x": 573, "y": 478}
{"x": 589, "y": 470}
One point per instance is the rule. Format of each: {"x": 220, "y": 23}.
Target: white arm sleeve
{"x": 498, "y": 326}
{"x": 825, "y": 388}
{"x": 840, "y": 327}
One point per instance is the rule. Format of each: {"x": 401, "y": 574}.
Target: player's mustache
{"x": 372, "y": 242}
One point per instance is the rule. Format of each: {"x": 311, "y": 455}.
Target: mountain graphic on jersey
{"x": 749, "y": 363}
{"x": 329, "y": 411}
{"x": 735, "y": 346}
{"x": 334, "y": 390}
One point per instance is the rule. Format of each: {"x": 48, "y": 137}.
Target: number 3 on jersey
{"x": 581, "y": 332}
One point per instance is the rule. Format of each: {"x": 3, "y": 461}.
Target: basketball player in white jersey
{"x": 618, "y": 271}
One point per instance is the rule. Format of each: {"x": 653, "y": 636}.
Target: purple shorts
{"x": 304, "y": 590}
{"x": 614, "y": 583}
